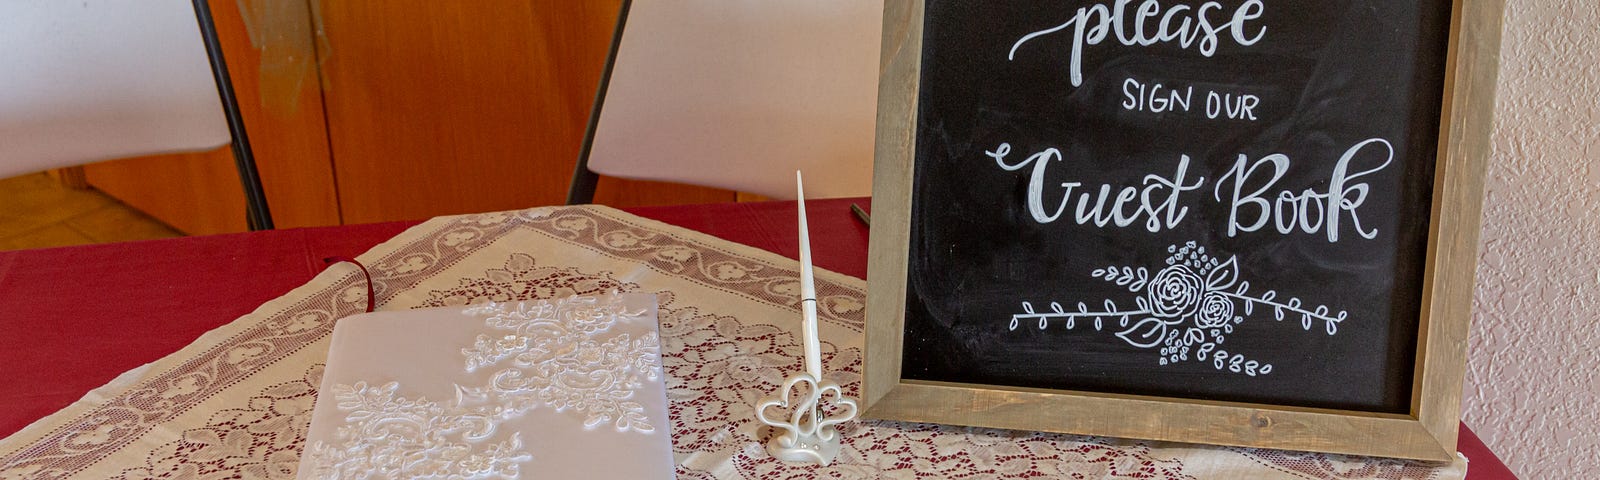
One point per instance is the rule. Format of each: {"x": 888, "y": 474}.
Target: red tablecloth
{"x": 71, "y": 319}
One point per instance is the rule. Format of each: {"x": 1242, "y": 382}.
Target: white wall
{"x": 1532, "y": 383}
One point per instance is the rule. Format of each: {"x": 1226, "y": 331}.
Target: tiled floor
{"x": 36, "y": 211}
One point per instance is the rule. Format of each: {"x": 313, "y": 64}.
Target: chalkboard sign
{"x": 1242, "y": 206}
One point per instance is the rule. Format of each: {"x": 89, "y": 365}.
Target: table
{"x": 72, "y": 319}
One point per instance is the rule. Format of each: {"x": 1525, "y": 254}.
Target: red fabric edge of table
{"x": 73, "y": 318}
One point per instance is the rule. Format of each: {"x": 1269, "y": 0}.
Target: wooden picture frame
{"x": 1427, "y": 432}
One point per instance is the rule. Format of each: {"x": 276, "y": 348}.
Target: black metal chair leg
{"x": 257, "y": 214}
{"x": 581, "y": 190}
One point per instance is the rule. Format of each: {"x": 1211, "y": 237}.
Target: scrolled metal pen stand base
{"x": 809, "y": 434}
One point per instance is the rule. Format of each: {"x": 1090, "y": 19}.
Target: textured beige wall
{"x": 1531, "y": 383}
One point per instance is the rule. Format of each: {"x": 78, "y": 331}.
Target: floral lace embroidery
{"x": 560, "y": 361}
{"x": 559, "y": 355}
{"x": 396, "y": 437}
{"x": 260, "y": 439}
{"x": 522, "y": 278}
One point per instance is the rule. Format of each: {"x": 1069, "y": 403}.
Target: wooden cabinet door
{"x": 272, "y": 61}
{"x": 439, "y": 108}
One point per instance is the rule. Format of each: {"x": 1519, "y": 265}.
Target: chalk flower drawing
{"x": 1188, "y": 309}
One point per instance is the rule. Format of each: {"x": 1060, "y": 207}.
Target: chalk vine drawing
{"x": 1188, "y": 308}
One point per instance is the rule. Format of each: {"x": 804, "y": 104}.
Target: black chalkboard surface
{"x": 1223, "y": 200}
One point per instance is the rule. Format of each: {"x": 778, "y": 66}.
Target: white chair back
{"x": 87, "y": 81}
{"x": 739, "y": 94}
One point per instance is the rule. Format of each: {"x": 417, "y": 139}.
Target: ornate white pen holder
{"x": 808, "y": 435}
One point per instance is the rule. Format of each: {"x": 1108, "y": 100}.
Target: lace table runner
{"x": 237, "y": 403}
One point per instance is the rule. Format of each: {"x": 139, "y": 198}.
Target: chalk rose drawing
{"x": 1188, "y": 309}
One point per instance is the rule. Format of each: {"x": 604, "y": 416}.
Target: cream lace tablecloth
{"x": 237, "y": 402}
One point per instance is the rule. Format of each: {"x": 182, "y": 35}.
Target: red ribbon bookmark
{"x": 371, "y": 299}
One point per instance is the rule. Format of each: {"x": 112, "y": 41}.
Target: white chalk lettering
{"x": 1195, "y": 28}
{"x": 1232, "y": 106}
{"x": 1155, "y": 98}
{"x": 1155, "y": 202}
{"x": 1308, "y": 211}
{"x": 1248, "y": 189}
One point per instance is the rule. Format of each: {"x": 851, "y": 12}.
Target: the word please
{"x": 1150, "y": 24}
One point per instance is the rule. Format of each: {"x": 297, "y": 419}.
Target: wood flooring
{"x": 37, "y": 211}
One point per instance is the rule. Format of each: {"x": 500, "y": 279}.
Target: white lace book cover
{"x": 567, "y": 388}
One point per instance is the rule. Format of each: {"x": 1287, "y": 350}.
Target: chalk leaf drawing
{"x": 1187, "y": 308}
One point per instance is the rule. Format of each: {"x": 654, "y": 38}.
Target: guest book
{"x": 569, "y": 388}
